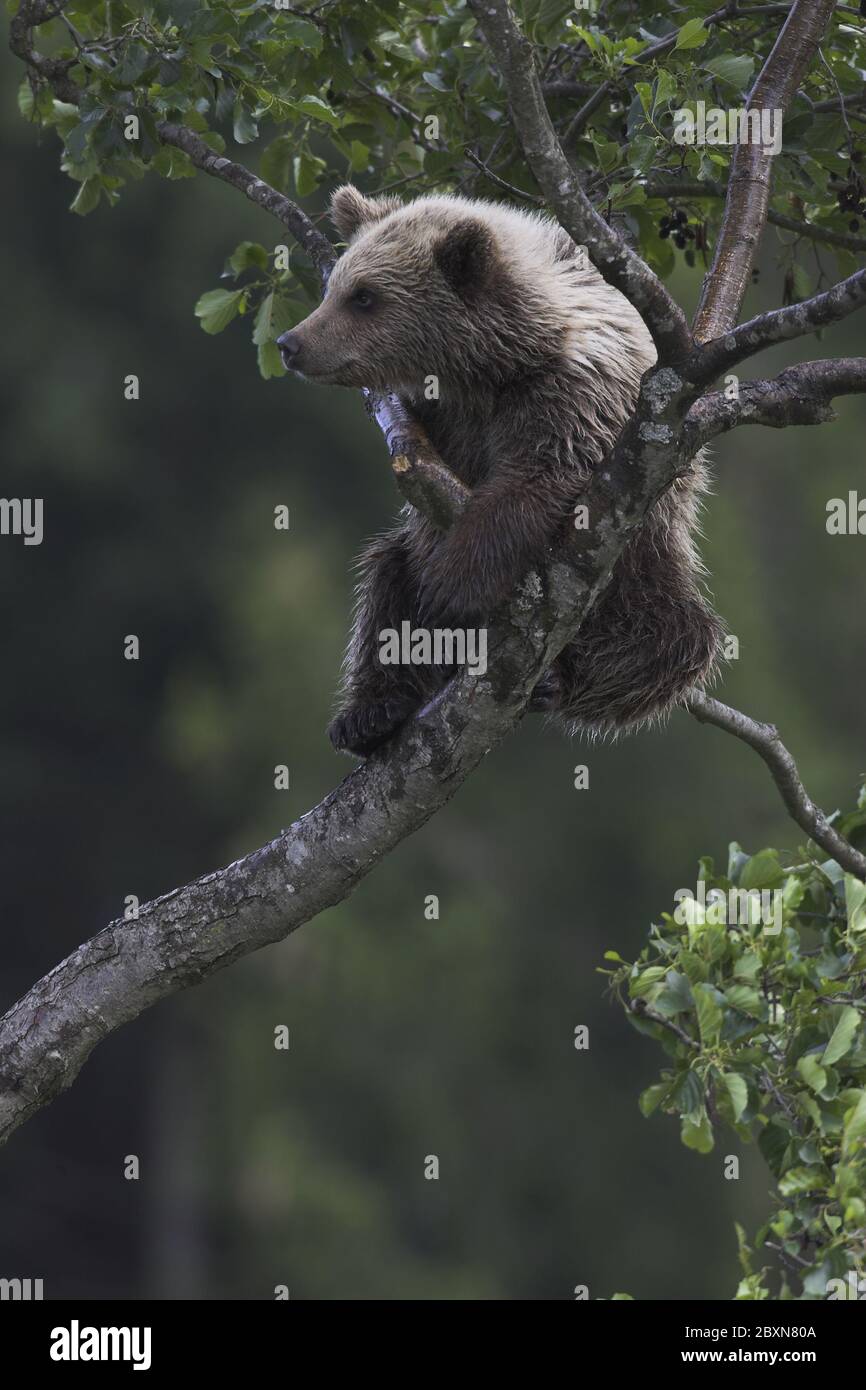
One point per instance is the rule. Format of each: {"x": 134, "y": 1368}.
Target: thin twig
{"x": 765, "y": 740}
{"x": 641, "y": 1009}
{"x": 501, "y": 183}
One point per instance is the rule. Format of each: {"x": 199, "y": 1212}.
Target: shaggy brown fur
{"x": 538, "y": 363}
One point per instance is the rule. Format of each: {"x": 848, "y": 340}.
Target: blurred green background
{"x": 408, "y": 1037}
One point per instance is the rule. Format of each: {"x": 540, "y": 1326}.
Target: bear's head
{"x": 424, "y": 289}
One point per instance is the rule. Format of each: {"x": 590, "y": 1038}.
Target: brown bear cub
{"x": 536, "y": 362}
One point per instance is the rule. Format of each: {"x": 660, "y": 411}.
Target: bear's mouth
{"x": 331, "y": 376}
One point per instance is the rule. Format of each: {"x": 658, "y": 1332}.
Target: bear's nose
{"x": 289, "y": 345}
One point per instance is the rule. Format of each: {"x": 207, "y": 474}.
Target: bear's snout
{"x": 290, "y": 347}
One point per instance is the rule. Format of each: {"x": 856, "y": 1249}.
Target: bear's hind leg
{"x": 638, "y": 652}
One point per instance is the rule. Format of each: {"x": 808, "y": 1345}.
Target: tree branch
{"x": 800, "y": 395}
{"x": 747, "y": 201}
{"x": 54, "y": 71}
{"x": 422, "y": 477}
{"x": 641, "y": 1009}
{"x": 317, "y": 246}
{"x": 559, "y": 183}
{"x": 777, "y": 326}
{"x": 180, "y": 939}
{"x": 765, "y": 740}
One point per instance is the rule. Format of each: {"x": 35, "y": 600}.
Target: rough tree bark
{"x": 751, "y": 172}
{"x": 183, "y": 937}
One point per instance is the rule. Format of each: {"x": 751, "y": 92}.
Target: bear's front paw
{"x": 361, "y": 728}
{"x": 547, "y": 695}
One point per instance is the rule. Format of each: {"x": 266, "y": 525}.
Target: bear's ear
{"x": 465, "y": 256}
{"x": 351, "y": 210}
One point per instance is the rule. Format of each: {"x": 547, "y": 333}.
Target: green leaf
{"x": 319, "y": 110}
{"x": 698, "y": 1134}
{"x": 855, "y": 902}
{"x": 274, "y": 316}
{"x": 762, "y": 871}
{"x": 652, "y": 1098}
{"x": 136, "y": 60}
{"x": 270, "y": 361}
{"x": 799, "y": 1180}
{"x": 842, "y": 1036}
{"x": 249, "y": 255}
{"x": 217, "y": 308}
{"x": 802, "y": 282}
{"x": 172, "y": 164}
{"x": 666, "y": 85}
{"x": 25, "y": 99}
{"x": 644, "y": 982}
{"x": 688, "y": 1095}
{"x": 245, "y": 129}
{"x": 87, "y": 197}
{"x": 738, "y": 1092}
{"x": 435, "y": 80}
{"x": 276, "y": 162}
{"x": 773, "y": 1142}
{"x": 812, "y": 1072}
{"x": 645, "y": 92}
{"x": 737, "y": 858}
{"x": 692, "y": 35}
{"x": 676, "y": 997}
{"x": 299, "y": 33}
{"x": 359, "y": 157}
{"x": 737, "y": 72}
{"x": 709, "y": 1014}
{"x": 307, "y": 168}
{"x": 854, "y": 1133}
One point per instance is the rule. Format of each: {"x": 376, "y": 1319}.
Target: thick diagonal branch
{"x": 765, "y": 740}
{"x": 747, "y": 201}
{"x": 619, "y": 265}
{"x": 181, "y": 939}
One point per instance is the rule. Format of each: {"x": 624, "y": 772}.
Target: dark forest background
{"x": 408, "y": 1037}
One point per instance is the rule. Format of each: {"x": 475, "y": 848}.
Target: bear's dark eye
{"x": 362, "y": 299}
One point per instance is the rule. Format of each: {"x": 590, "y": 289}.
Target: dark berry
{"x": 854, "y": 225}
{"x": 680, "y": 241}
{"x": 690, "y": 257}
{"x": 664, "y": 233}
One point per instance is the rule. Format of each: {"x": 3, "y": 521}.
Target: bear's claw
{"x": 361, "y": 728}
{"x": 547, "y": 695}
